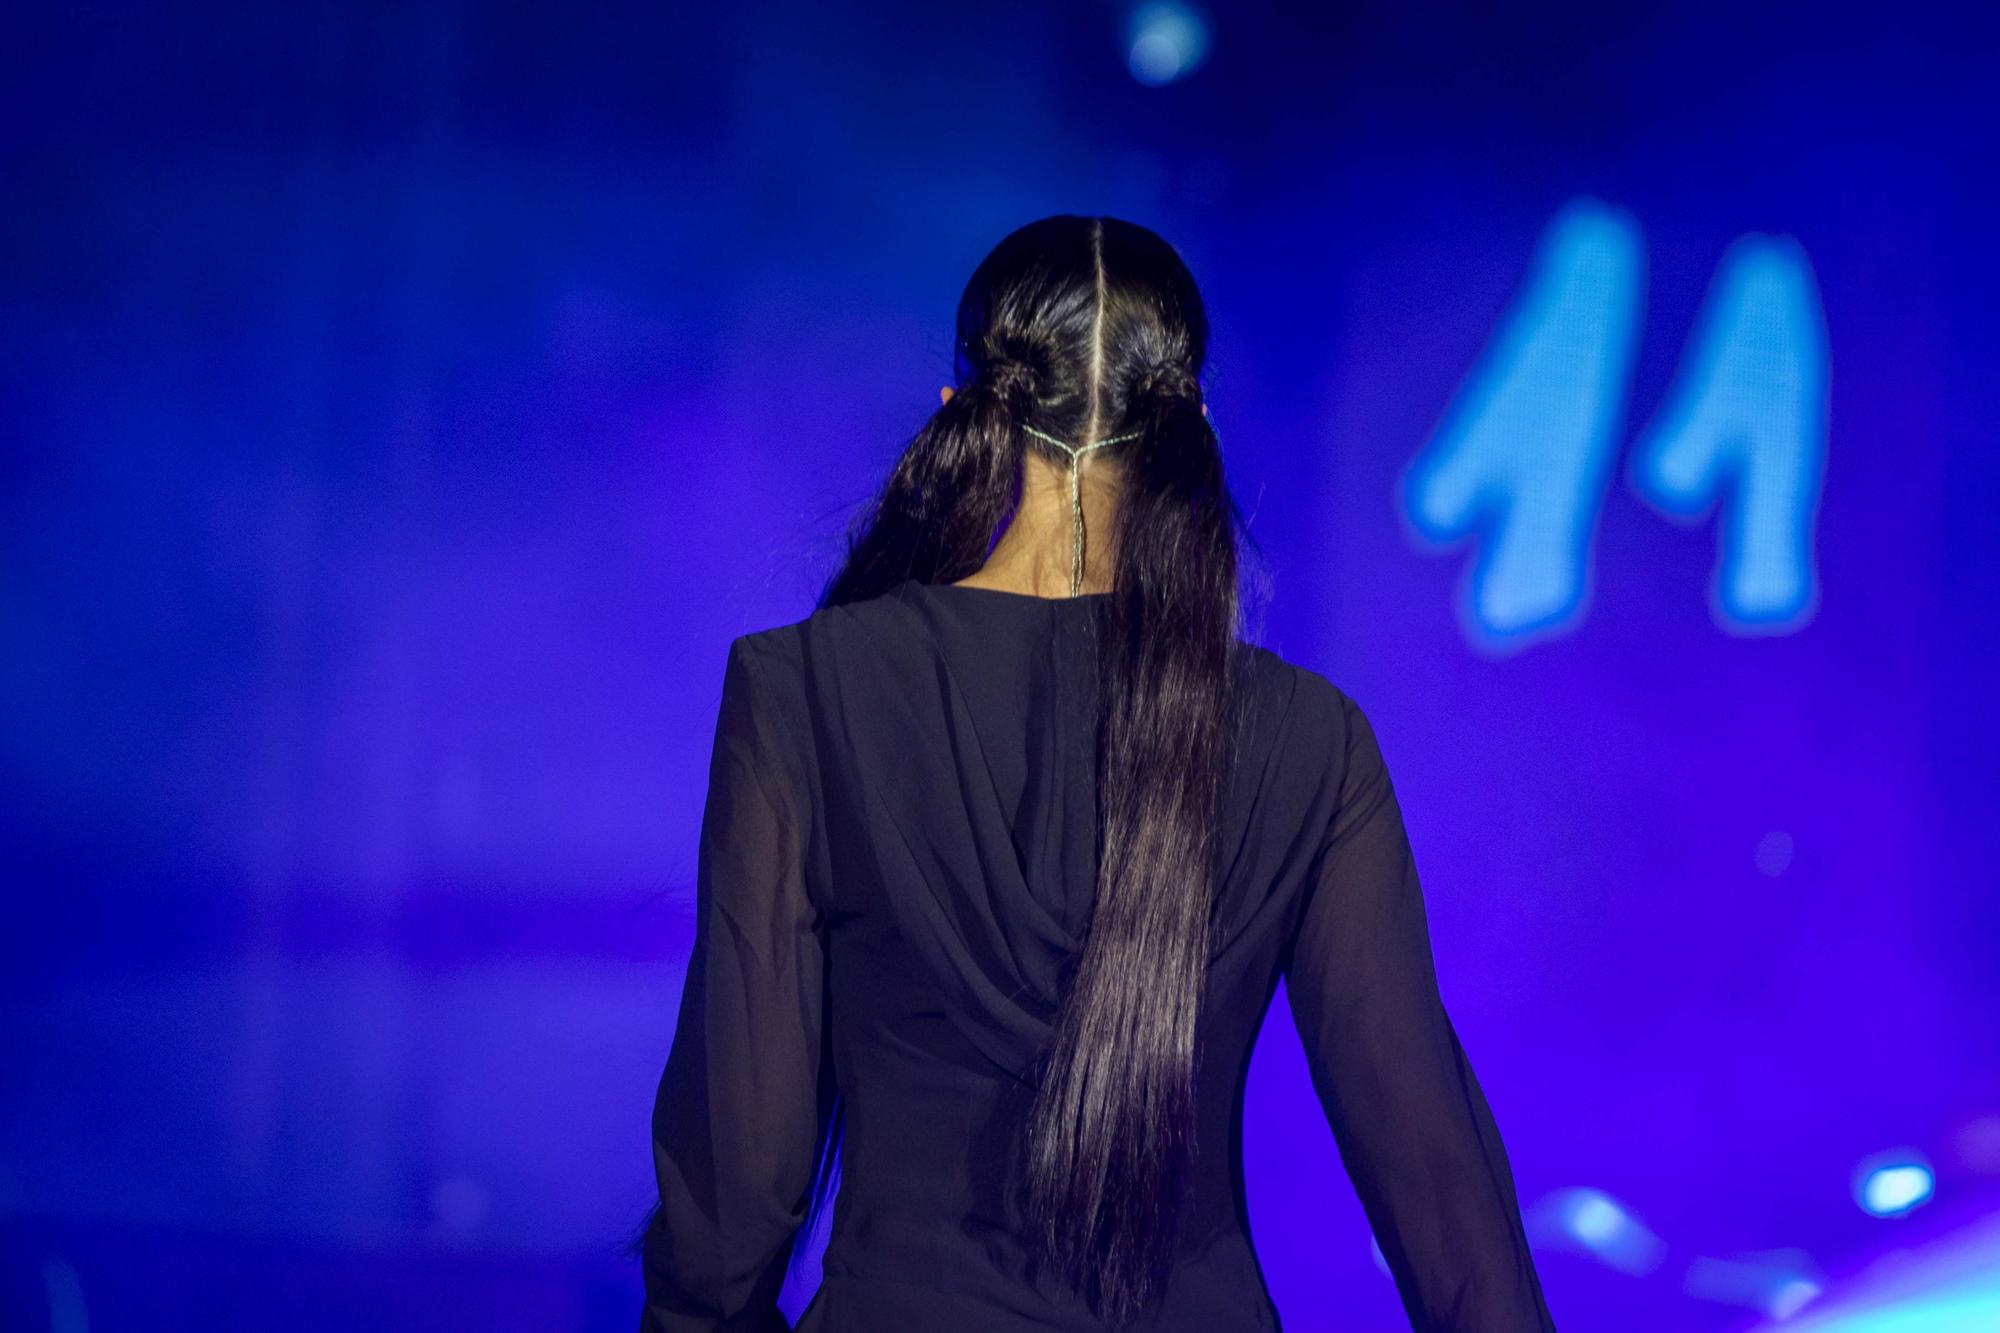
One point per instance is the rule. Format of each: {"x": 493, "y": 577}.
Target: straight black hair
{"x": 1086, "y": 328}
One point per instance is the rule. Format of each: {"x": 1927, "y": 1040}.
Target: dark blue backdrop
{"x": 403, "y": 406}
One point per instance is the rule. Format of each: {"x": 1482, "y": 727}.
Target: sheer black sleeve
{"x": 1414, "y": 1131}
{"x": 746, "y": 1087}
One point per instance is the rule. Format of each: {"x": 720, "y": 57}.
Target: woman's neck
{"x": 1033, "y": 554}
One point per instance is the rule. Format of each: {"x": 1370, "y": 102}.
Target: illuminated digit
{"x": 1522, "y": 456}
{"x": 1746, "y": 419}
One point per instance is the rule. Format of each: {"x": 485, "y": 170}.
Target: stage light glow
{"x": 1775, "y": 1283}
{"x": 1970, "y": 1314}
{"x": 1950, "y": 1285}
{"x": 1166, "y": 41}
{"x": 63, "y": 1288}
{"x": 1595, "y": 1220}
{"x": 1979, "y": 1143}
{"x": 1889, "y": 1187}
{"x": 1592, "y": 1222}
{"x": 1774, "y": 853}
{"x": 1792, "y": 1297}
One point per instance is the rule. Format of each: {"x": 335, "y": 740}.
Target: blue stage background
{"x": 404, "y": 405}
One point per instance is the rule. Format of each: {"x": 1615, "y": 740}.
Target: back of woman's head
{"x": 1085, "y": 324}
{"x": 1086, "y": 330}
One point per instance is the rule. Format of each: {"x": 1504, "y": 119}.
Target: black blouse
{"x": 897, "y": 857}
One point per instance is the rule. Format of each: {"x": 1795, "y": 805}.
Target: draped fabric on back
{"x": 899, "y": 856}
{"x": 985, "y": 846}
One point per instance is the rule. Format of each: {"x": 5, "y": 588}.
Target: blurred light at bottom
{"x": 1777, "y": 1283}
{"x": 1951, "y": 1285}
{"x": 1593, "y": 1222}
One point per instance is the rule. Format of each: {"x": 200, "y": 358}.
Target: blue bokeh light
{"x": 1166, "y": 41}
{"x": 1589, "y": 1221}
{"x": 1777, "y": 1283}
{"x": 1893, "y": 1183}
{"x": 1950, "y": 1284}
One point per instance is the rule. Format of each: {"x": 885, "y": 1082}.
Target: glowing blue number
{"x": 1746, "y": 420}
{"x": 1522, "y": 456}
{"x": 1520, "y": 461}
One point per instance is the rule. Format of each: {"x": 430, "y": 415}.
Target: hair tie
{"x": 1075, "y": 451}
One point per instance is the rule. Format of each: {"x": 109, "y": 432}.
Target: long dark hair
{"x": 1086, "y": 328}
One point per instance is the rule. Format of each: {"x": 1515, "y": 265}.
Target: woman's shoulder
{"x": 1309, "y": 695}
{"x": 786, "y": 641}
{"x": 778, "y": 653}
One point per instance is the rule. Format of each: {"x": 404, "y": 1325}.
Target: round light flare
{"x": 1790, "y": 1297}
{"x": 1592, "y": 1222}
{"x": 1893, "y": 1183}
{"x": 1774, "y": 853}
{"x": 1164, "y": 42}
{"x": 1594, "y": 1219}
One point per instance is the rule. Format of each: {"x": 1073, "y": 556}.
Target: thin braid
{"x": 1075, "y": 452}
